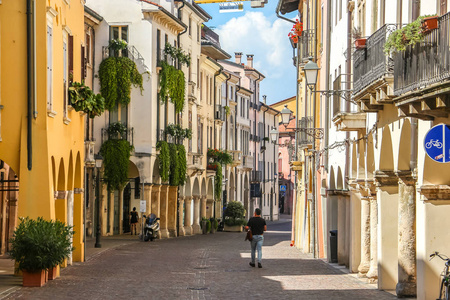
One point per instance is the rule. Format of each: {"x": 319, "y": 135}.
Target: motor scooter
{"x": 151, "y": 227}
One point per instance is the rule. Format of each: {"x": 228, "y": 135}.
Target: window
{"x": 198, "y": 73}
{"x": 158, "y": 46}
{"x": 119, "y": 33}
{"x": 199, "y": 30}
{"x": 119, "y": 114}
{"x": 200, "y": 86}
{"x": 190, "y": 26}
{"x": 199, "y": 135}
{"x": 190, "y": 127}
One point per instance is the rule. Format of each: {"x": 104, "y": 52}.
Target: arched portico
{"x": 9, "y": 200}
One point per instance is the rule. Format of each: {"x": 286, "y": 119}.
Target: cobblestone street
{"x": 213, "y": 266}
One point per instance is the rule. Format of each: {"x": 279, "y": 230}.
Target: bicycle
{"x": 444, "y": 290}
{"x": 433, "y": 143}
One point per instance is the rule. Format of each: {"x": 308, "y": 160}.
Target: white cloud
{"x": 254, "y": 33}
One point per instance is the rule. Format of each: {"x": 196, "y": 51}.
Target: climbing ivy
{"x": 218, "y": 182}
{"x": 172, "y": 85}
{"x": 116, "y": 75}
{"x": 164, "y": 160}
{"x": 183, "y": 164}
{"x": 174, "y": 174}
{"x": 116, "y": 154}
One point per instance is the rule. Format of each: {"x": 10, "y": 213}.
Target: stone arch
{"x": 370, "y": 160}
{"x": 156, "y": 178}
{"x": 61, "y": 181}
{"x": 53, "y": 173}
{"x": 404, "y": 150}
{"x": 133, "y": 170}
{"x": 9, "y": 196}
{"x": 210, "y": 190}
{"x": 331, "y": 179}
{"x": 339, "y": 179}
{"x": 203, "y": 191}
{"x": 196, "y": 188}
{"x": 231, "y": 189}
{"x": 435, "y": 173}
{"x": 78, "y": 179}
{"x": 386, "y": 152}
{"x": 361, "y": 148}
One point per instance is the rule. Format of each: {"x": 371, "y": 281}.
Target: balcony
{"x": 422, "y": 75}
{"x": 306, "y": 45}
{"x": 247, "y": 162}
{"x": 256, "y": 176}
{"x": 219, "y": 114}
{"x": 237, "y": 157}
{"x": 373, "y": 72}
{"x": 191, "y": 92}
{"x": 130, "y": 52}
{"x": 305, "y": 139}
{"x": 194, "y": 163}
{"x": 128, "y": 135}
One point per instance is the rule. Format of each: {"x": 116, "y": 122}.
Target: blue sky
{"x": 260, "y": 32}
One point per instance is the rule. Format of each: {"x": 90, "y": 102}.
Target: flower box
{"x": 34, "y": 279}
{"x": 212, "y": 167}
{"x": 429, "y": 24}
{"x": 360, "y": 43}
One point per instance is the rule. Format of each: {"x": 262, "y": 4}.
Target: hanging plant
{"x": 218, "y": 182}
{"x": 116, "y": 130}
{"x": 164, "y": 160}
{"x": 174, "y": 174}
{"x": 177, "y": 132}
{"x": 82, "y": 98}
{"x": 116, "y": 155}
{"x": 116, "y": 75}
{"x": 172, "y": 85}
{"x": 182, "y": 163}
{"x": 227, "y": 111}
{"x": 117, "y": 45}
{"x": 178, "y": 54}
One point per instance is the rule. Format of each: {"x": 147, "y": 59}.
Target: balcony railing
{"x": 426, "y": 62}
{"x": 371, "y": 63}
{"x": 130, "y": 52}
{"x": 307, "y": 45}
{"x": 247, "y": 161}
{"x": 127, "y": 135}
{"x": 303, "y": 137}
{"x": 256, "y": 176}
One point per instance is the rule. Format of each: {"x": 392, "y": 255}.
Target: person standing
{"x": 134, "y": 220}
{"x": 257, "y": 225}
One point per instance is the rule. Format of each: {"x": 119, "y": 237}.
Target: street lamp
{"x": 285, "y": 118}
{"x": 311, "y": 70}
{"x": 274, "y": 135}
{"x": 285, "y": 115}
{"x": 98, "y": 164}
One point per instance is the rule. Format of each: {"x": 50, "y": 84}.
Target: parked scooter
{"x": 151, "y": 227}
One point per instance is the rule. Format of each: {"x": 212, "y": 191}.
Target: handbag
{"x": 249, "y": 236}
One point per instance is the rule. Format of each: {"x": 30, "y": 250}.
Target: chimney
{"x": 238, "y": 56}
{"x": 264, "y": 98}
{"x": 250, "y": 60}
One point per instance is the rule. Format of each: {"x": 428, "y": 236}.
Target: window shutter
{"x": 70, "y": 52}
{"x": 83, "y": 63}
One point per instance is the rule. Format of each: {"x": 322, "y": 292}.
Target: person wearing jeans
{"x": 257, "y": 225}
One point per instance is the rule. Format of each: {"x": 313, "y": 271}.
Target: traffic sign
{"x": 437, "y": 143}
{"x": 282, "y": 188}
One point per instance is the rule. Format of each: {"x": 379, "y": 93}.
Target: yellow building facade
{"x": 41, "y": 136}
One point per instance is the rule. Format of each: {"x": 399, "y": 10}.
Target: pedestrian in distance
{"x": 257, "y": 225}
{"x": 134, "y": 220}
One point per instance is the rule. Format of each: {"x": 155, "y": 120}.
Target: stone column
{"x": 164, "y": 232}
{"x": 78, "y": 242}
{"x": 155, "y": 206}
{"x": 172, "y": 211}
{"x": 372, "y": 273}
{"x": 365, "y": 237}
{"x": 180, "y": 216}
{"x": 187, "y": 216}
{"x": 406, "y": 286}
{"x": 196, "y": 226}
{"x": 120, "y": 211}
{"x": 148, "y": 198}
{"x": 203, "y": 207}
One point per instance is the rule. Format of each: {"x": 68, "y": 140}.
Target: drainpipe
{"x": 226, "y": 103}
{"x": 30, "y": 80}
{"x": 277, "y": 11}
{"x": 327, "y": 82}
{"x": 215, "y": 90}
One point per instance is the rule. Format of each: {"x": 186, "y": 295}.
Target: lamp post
{"x": 98, "y": 164}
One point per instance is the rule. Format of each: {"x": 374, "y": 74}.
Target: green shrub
{"x": 40, "y": 244}
{"x": 234, "y": 214}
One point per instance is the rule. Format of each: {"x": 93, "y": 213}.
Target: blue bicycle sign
{"x": 437, "y": 143}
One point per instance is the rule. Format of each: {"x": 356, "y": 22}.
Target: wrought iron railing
{"x": 127, "y": 135}
{"x": 303, "y": 137}
{"x": 257, "y": 176}
{"x": 371, "y": 63}
{"x": 426, "y": 62}
{"x": 130, "y": 52}
{"x": 307, "y": 45}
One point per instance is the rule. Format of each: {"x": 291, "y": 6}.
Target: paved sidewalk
{"x": 213, "y": 266}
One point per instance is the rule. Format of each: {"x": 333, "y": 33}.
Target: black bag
{"x": 249, "y": 236}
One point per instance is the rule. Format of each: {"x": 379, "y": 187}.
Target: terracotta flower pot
{"x": 212, "y": 167}
{"x": 53, "y": 273}
{"x": 429, "y": 24}
{"x": 34, "y": 279}
{"x": 360, "y": 43}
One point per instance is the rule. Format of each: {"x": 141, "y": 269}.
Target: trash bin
{"x": 333, "y": 246}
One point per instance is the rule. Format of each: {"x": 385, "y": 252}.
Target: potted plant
{"x": 360, "y": 43}
{"x": 410, "y": 34}
{"x": 205, "y": 225}
{"x": 38, "y": 245}
{"x": 234, "y": 216}
{"x": 214, "y": 225}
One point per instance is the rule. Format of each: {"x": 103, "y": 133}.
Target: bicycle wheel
{"x": 447, "y": 292}
{"x": 441, "y": 290}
